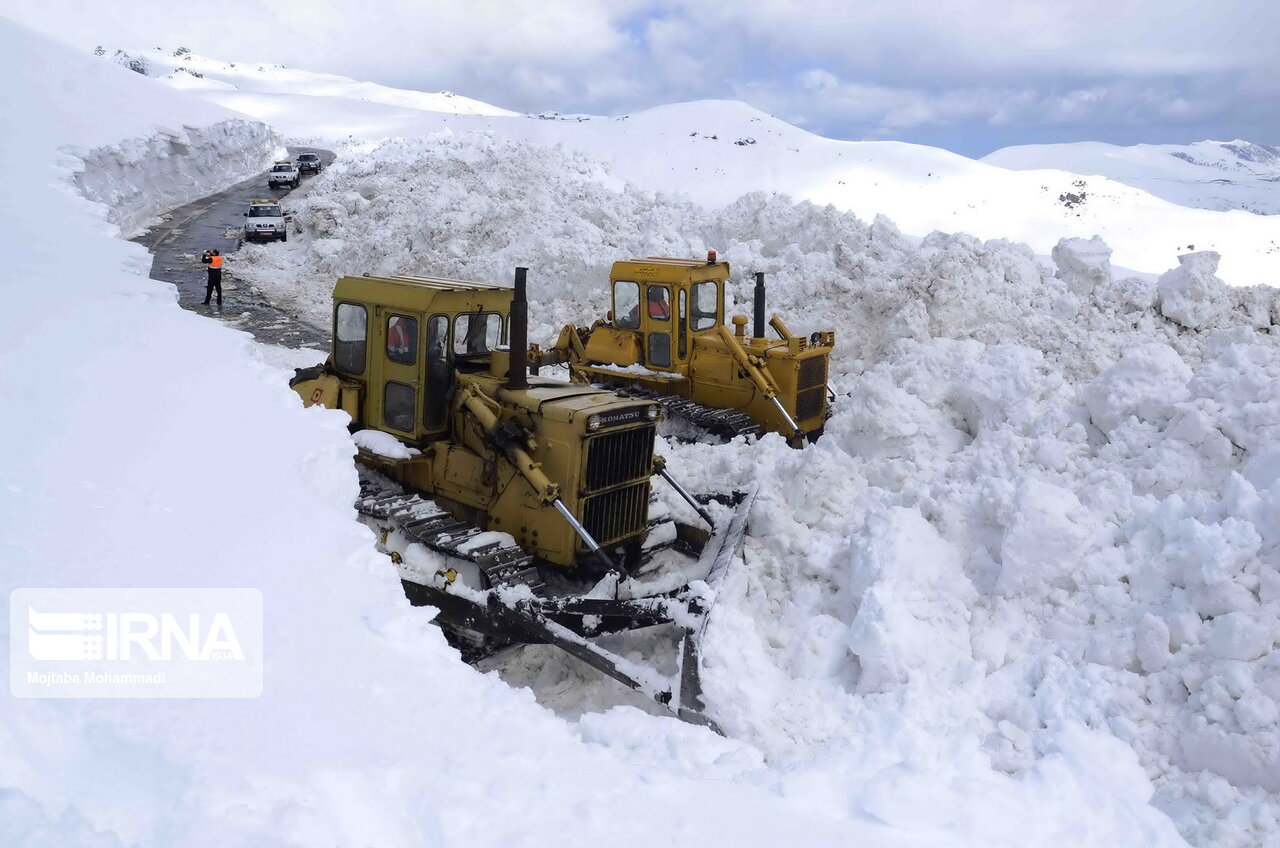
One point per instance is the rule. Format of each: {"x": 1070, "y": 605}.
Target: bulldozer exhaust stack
{"x": 518, "y": 341}
{"x": 758, "y": 329}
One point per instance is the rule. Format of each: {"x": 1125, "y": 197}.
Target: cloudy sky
{"x": 969, "y": 75}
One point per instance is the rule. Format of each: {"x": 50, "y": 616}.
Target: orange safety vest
{"x": 215, "y": 262}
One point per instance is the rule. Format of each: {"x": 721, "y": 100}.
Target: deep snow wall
{"x": 140, "y": 178}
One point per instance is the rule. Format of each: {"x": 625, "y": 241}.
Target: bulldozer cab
{"x": 403, "y": 337}
{"x": 665, "y": 302}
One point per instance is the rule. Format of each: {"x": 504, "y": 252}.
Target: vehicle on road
{"x": 309, "y": 163}
{"x": 284, "y": 174}
{"x": 265, "y": 222}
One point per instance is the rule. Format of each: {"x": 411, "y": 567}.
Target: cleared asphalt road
{"x": 217, "y": 221}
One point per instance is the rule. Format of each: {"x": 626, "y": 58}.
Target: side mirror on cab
{"x": 245, "y": 214}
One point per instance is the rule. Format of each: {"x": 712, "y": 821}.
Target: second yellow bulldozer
{"x": 666, "y": 339}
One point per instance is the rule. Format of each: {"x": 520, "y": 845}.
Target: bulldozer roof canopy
{"x": 422, "y": 294}
{"x": 663, "y": 269}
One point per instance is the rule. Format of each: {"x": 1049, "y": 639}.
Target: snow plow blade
{"x": 515, "y": 614}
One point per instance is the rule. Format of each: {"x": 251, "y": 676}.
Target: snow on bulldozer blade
{"x": 668, "y": 593}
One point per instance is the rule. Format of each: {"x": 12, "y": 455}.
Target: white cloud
{"x": 865, "y": 68}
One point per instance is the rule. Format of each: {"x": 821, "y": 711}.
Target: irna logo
{"x": 111, "y": 636}
{"x": 135, "y": 643}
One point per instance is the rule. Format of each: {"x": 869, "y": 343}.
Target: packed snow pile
{"x": 1047, "y": 496}
{"x": 153, "y": 447}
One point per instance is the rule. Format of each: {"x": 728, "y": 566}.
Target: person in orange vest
{"x": 214, "y": 260}
{"x": 398, "y": 342}
{"x": 658, "y": 306}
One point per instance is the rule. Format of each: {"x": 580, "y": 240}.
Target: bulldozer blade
{"x": 723, "y": 551}
{"x": 515, "y": 616}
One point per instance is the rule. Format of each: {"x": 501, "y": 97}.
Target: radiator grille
{"x": 813, "y": 372}
{"x": 811, "y": 387}
{"x": 619, "y": 457}
{"x": 618, "y": 514}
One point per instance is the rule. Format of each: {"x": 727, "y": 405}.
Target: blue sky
{"x": 968, "y": 75}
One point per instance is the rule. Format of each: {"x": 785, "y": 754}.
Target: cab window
{"x": 402, "y": 339}
{"x": 351, "y": 331}
{"x": 626, "y": 304}
{"x": 397, "y": 406}
{"x": 659, "y": 303}
{"x": 682, "y": 332}
{"x": 705, "y": 306}
{"x": 476, "y": 333}
{"x": 660, "y": 349}
{"x": 439, "y": 371}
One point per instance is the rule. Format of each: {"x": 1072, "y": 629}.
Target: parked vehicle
{"x": 309, "y": 163}
{"x": 265, "y": 221}
{"x": 284, "y": 174}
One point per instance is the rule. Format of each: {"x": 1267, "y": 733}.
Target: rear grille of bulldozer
{"x": 616, "y": 458}
{"x": 618, "y": 514}
{"x": 811, "y": 387}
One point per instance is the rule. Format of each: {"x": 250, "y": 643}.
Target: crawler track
{"x": 723, "y": 423}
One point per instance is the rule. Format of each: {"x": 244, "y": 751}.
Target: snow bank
{"x": 140, "y": 178}
{"x": 1042, "y": 502}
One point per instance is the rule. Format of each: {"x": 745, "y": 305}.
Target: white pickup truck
{"x": 265, "y": 222}
{"x": 282, "y": 174}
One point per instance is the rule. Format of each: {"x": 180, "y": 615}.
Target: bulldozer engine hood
{"x": 556, "y": 401}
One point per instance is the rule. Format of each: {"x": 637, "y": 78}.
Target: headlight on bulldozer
{"x": 593, "y": 423}
{"x": 651, "y": 413}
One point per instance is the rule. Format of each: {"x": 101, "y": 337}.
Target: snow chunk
{"x": 913, "y": 618}
{"x": 383, "y": 444}
{"x": 1045, "y": 538}
{"x": 1083, "y": 264}
{"x": 1143, "y": 383}
{"x": 1153, "y": 643}
{"x": 1237, "y": 636}
{"x": 1263, "y": 470}
{"x": 1190, "y": 293}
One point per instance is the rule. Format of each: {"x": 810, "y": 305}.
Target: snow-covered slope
{"x": 1217, "y": 175}
{"x": 148, "y": 446}
{"x": 715, "y": 151}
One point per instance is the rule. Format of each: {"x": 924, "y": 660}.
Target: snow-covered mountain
{"x": 1218, "y": 175}
{"x": 716, "y": 151}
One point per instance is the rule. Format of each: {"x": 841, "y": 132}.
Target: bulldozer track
{"x": 724, "y": 423}
{"x": 421, "y": 520}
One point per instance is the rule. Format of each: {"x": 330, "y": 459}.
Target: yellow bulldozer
{"x": 666, "y": 339}
{"x": 534, "y": 496}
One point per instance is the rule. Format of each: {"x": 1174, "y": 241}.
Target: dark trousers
{"x": 214, "y": 284}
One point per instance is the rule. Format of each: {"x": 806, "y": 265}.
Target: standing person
{"x": 214, "y": 260}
